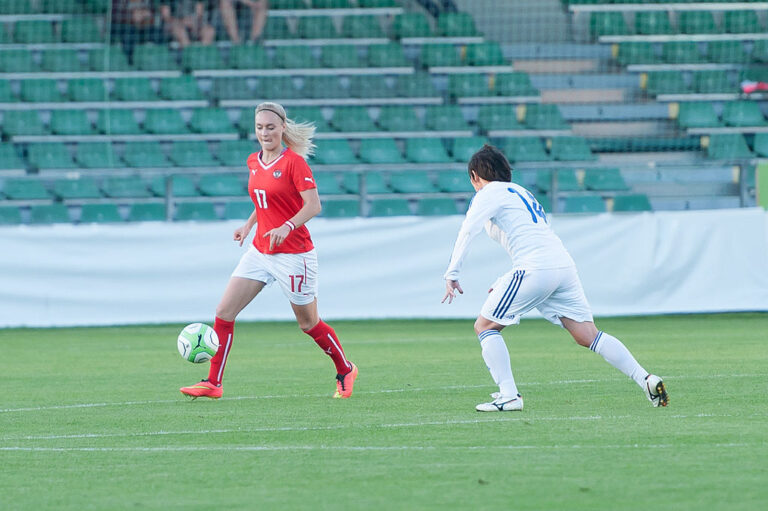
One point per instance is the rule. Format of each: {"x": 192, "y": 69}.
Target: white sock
{"x": 616, "y": 354}
{"x": 496, "y": 358}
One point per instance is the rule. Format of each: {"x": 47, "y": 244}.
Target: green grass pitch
{"x": 92, "y": 419}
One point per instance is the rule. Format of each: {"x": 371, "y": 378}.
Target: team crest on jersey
{"x": 276, "y": 174}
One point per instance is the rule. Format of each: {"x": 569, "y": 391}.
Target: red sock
{"x": 224, "y": 330}
{"x": 326, "y": 338}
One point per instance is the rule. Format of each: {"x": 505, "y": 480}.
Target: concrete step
{"x": 621, "y": 129}
{"x": 556, "y": 65}
{"x": 582, "y": 95}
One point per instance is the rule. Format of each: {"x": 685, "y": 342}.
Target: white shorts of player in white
{"x": 555, "y": 293}
{"x": 295, "y": 273}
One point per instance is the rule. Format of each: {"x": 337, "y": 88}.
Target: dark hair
{"x": 490, "y": 164}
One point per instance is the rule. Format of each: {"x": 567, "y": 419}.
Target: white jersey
{"x": 511, "y": 216}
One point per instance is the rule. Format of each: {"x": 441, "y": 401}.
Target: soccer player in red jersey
{"x": 285, "y": 196}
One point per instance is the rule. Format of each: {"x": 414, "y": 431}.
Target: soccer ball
{"x": 198, "y": 343}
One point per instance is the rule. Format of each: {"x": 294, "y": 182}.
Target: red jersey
{"x": 274, "y": 189}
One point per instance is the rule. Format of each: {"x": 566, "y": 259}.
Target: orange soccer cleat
{"x": 202, "y": 389}
{"x": 345, "y": 382}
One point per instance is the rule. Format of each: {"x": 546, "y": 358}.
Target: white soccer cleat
{"x": 501, "y": 404}
{"x": 655, "y": 390}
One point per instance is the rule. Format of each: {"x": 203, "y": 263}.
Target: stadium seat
{"x": 231, "y": 87}
{"x": 584, "y": 204}
{"x": 79, "y": 188}
{"x": 727, "y": 52}
{"x": 61, "y": 60}
{"x": 60, "y": 6}
{"x": 80, "y": 30}
{"x": 369, "y": 86}
{"x": 328, "y": 183}
{"x": 16, "y": 7}
{"x": 145, "y": 154}
{"x": 444, "y": 118}
{"x": 468, "y": 85}
{"x": 330, "y": 4}
{"x": 638, "y": 52}
{"x": 164, "y": 121}
{"x": 22, "y": 122}
{"x": 728, "y": 146}
{"x": 97, "y": 155}
{"x": 41, "y": 91}
{"x": 456, "y": 24}
{"x": 696, "y": 22}
{"x": 525, "y": 149}
{"x": 9, "y": 157}
{"x": 191, "y": 154}
{"x": 652, "y": 23}
{"x": 712, "y": 82}
{"x": 340, "y": 56}
{"x": 117, "y": 122}
{"x": 352, "y": 119}
{"x": 544, "y": 117}
{"x": 637, "y": 202}
{"x": 604, "y": 180}
{"x": 238, "y": 209}
{"x": 607, "y": 23}
{"x": 326, "y": 87}
{"x": 276, "y": 88}
{"x": 17, "y": 61}
{"x": 426, "y": 150}
{"x": 380, "y": 150}
{"x": 760, "y": 51}
{"x": 34, "y": 32}
{"x": 415, "y": 85}
{"x": 386, "y": 55}
{"x": 464, "y": 147}
{"x": 361, "y": 27}
{"x": 309, "y": 114}
{"x": 100, "y": 213}
{"x": 197, "y": 56}
{"x": 436, "y": 206}
{"x": 743, "y": 113}
{"x": 741, "y": 22}
{"x": 211, "y": 120}
{"x": 411, "y": 24}
{"x": 567, "y": 181}
{"x": 451, "y": 181}
{"x": 340, "y": 208}
{"x": 50, "y": 155}
{"x": 514, "y": 84}
{"x": 316, "y": 27}
{"x": 497, "y": 117}
{"x": 6, "y": 93}
{"x": 49, "y": 214}
{"x": 87, "y": 89}
{"x": 375, "y": 183}
{"x": 134, "y": 89}
{"x": 294, "y": 57}
{"x": 249, "y": 57}
{"x": 682, "y": 52}
{"x": 125, "y": 187}
{"x": 181, "y": 186}
{"x": 439, "y": 55}
{"x": 277, "y": 28}
{"x": 571, "y": 149}
{"x": 108, "y": 59}
{"x": 70, "y": 122}
{"x": 181, "y": 88}
{"x": 195, "y": 211}
{"x": 154, "y": 57}
{"x": 389, "y": 207}
{"x": 9, "y": 215}
{"x": 350, "y": 182}
{"x": 399, "y": 118}
{"x": 221, "y": 185}
{"x": 484, "y": 54}
{"x": 24, "y": 189}
{"x": 697, "y": 115}
{"x": 377, "y": 3}
{"x": 334, "y": 152}
{"x": 411, "y": 182}
{"x": 143, "y": 212}
{"x": 666, "y": 82}
{"x": 234, "y": 153}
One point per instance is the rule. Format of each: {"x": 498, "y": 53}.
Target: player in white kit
{"x": 543, "y": 276}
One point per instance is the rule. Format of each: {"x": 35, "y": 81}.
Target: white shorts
{"x": 296, "y": 273}
{"x": 554, "y": 293}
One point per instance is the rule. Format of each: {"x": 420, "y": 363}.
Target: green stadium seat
{"x": 340, "y": 56}
{"x": 712, "y": 82}
{"x": 117, "y": 122}
{"x": 571, "y": 149}
{"x": 607, "y": 23}
{"x": 389, "y": 207}
{"x": 484, "y": 54}
{"x": 100, "y": 213}
{"x": 330, "y": 4}
{"x": 727, "y": 52}
{"x": 17, "y": 61}
{"x": 369, "y": 86}
{"x": 741, "y": 22}
{"x": 87, "y": 89}
{"x": 334, "y": 152}
{"x": 386, "y": 55}
{"x": 191, "y": 154}
{"x": 604, "y": 180}
{"x": 697, "y": 115}
{"x": 411, "y": 182}
{"x": 399, "y": 118}
{"x": 439, "y": 55}
{"x": 697, "y": 22}
{"x": 350, "y": 182}
{"x": 97, "y": 155}
{"x": 728, "y": 146}
{"x": 124, "y": 188}
{"x": 50, "y": 155}
{"x": 525, "y": 149}
{"x": 134, "y": 89}
{"x": 9, "y": 157}
{"x": 584, "y": 204}
{"x": 164, "y": 121}
{"x": 294, "y": 57}
{"x": 143, "y": 212}
{"x": 277, "y": 28}
{"x": 221, "y": 185}
{"x": 468, "y": 85}
{"x": 225, "y": 88}
{"x": 411, "y": 24}
{"x": 452, "y": 181}
{"x": 195, "y": 211}
{"x": 249, "y": 56}
{"x": 198, "y": 56}
{"x": 375, "y": 183}
{"x": 377, "y": 3}
{"x": 24, "y": 189}
{"x": 145, "y": 154}
{"x": 60, "y": 61}
{"x": 328, "y": 183}
{"x": 465, "y": 147}
{"x": 60, "y": 6}
{"x": 497, "y": 117}
{"x": 760, "y": 51}
{"x": 653, "y": 23}
{"x": 238, "y": 209}
{"x": 80, "y": 30}
{"x": 234, "y": 153}
{"x": 316, "y": 27}
{"x": 9, "y": 215}
{"x": 426, "y": 150}
{"x": 380, "y": 150}
{"x": 567, "y": 181}
{"x": 16, "y": 7}
{"x": 49, "y": 214}
{"x": 70, "y": 122}
{"x": 352, "y": 118}
{"x": 211, "y": 120}
{"x": 436, "y": 206}
{"x": 154, "y": 57}
{"x": 79, "y": 188}
{"x": 41, "y": 91}
{"x": 276, "y": 88}
{"x": 743, "y": 113}
{"x": 22, "y": 122}
{"x": 181, "y": 186}
{"x": 340, "y": 208}
{"x": 456, "y": 24}
{"x": 544, "y": 117}
{"x": 108, "y": 59}
{"x": 180, "y": 88}
{"x": 415, "y": 85}
{"x": 636, "y": 53}
{"x": 761, "y": 144}
{"x": 359, "y": 27}
{"x": 311, "y": 114}
{"x": 34, "y": 32}
{"x": 637, "y": 202}
{"x": 328, "y": 87}
{"x": 444, "y": 118}
{"x": 666, "y": 82}
{"x": 514, "y": 84}
{"x": 6, "y": 94}
{"x": 681, "y": 52}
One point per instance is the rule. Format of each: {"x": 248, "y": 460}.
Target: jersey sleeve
{"x": 302, "y": 175}
{"x": 482, "y": 209}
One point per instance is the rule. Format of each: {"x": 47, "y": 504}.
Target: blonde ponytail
{"x": 297, "y": 135}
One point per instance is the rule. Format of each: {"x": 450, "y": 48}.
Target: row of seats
{"x": 734, "y": 113}
{"x": 185, "y": 88}
{"x": 733, "y": 146}
{"x": 688, "y": 22}
{"x": 702, "y": 82}
{"x": 16, "y": 7}
{"x": 689, "y": 52}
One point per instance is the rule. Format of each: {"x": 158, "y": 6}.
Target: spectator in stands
{"x": 188, "y": 21}
{"x": 435, "y": 7}
{"x": 134, "y": 22}
{"x": 229, "y": 10}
